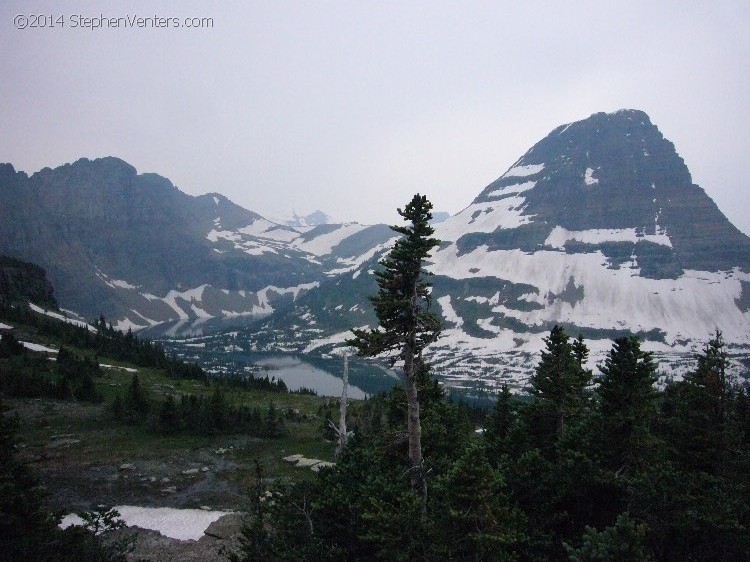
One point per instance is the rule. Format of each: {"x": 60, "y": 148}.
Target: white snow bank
{"x": 114, "y": 283}
{"x": 190, "y": 295}
{"x": 589, "y": 177}
{"x": 559, "y": 236}
{"x": 5, "y": 327}
{"x": 181, "y": 524}
{"x": 128, "y": 369}
{"x": 684, "y": 308}
{"x": 269, "y": 230}
{"x": 449, "y": 313}
{"x": 523, "y": 171}
{"x": 51, "y": 314}
{"x": 484, "y": 217}
{"x": 354, "y": 262}
{"x": 325, "y": 243}
{"x": 38, "y": 347}
{"x": 513, "y": 188}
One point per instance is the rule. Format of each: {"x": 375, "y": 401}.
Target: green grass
{"x": 99, "y": 440}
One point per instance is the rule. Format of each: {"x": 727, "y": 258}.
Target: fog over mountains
{"x": 597, "y": 227}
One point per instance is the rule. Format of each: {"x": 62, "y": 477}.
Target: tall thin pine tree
{"x": 406, "y": 324}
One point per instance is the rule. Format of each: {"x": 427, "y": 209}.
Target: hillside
{"x": 25, "y": 282}
{"x": 70, "y": 435}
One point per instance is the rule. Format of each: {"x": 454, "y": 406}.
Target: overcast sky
{"x": 352, "y": 107}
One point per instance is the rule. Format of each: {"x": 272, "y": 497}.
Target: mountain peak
{"x": 313, "y": 219}
{"x": 611, "y": 172}
{"x": 602, "y": 138}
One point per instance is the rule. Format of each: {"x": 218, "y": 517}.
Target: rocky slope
{"x": 134, "y": 247}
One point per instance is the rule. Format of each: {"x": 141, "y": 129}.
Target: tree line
{"x": 70, "y": 377}
{"x": 105, "y": 341}
{"x": 194, "y": 414}
{"x": 591, "y": 468}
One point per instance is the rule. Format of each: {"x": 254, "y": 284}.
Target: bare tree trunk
{"x": 342, "y": 409}
{"x": 414, "y": 430}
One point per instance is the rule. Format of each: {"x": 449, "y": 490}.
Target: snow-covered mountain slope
{"x": 320, "y": 252}
{"x": 135, "y": 248}
{"x": 599, "y": 228}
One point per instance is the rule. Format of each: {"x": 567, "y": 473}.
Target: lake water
{"x": 297, "y": 374}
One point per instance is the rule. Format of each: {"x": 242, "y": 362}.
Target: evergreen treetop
{"x": 402, "y": 304}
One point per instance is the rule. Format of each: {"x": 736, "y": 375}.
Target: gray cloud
{"x": 351, "y": 107}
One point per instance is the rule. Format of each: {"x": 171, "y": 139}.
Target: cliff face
{"x": 25, "y": 282}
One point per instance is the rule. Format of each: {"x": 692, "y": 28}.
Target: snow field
{"x": 181, "y": 524}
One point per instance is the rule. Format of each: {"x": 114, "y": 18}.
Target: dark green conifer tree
{"x": 625, "y": 541}
{"x": 706, "y": 392}
{"x": 627, "y": 403}
{"x": 471, "y": 516}
{"x": 406, "y": 325}
{"x": 560, "y": 379}
{"x": 502, "y": 433}
{"x": 133, "y": 407}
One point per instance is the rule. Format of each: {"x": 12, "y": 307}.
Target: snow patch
{"x": 295, "y": 291}
{"x": 121, "y": 284}
{"x": 181, "y": 524}
{"x": 189, "y": 296}
{"x": 682, "y": 308}
{"x": 62, "y": 318}
{"x": 125, "y": 324}
{"x": 37, "y": 347}
{"x": 199, "y": 312}
{"x": 355, "y": 262}
{"x": 589, "y": 177}
{"x": 522, "y": 171}
{"x": 514, "y": 189}
{"x": 324, "y": 244}
{"x": 126, "y": 369}
{"x": 449, "y": 312}
{"x": 559, "y": 236}
{"x": 335, "y": 339}
{"x": 270, "y": 231}
{"x": 484, "y": 217}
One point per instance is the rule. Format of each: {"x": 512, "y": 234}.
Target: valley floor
{"x": 86, "y": 459}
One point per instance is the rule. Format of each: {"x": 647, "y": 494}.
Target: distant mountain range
{"x": 313, "y": 219}
{"x": 597, "y": 227}
{"x": 134, "y": 247}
